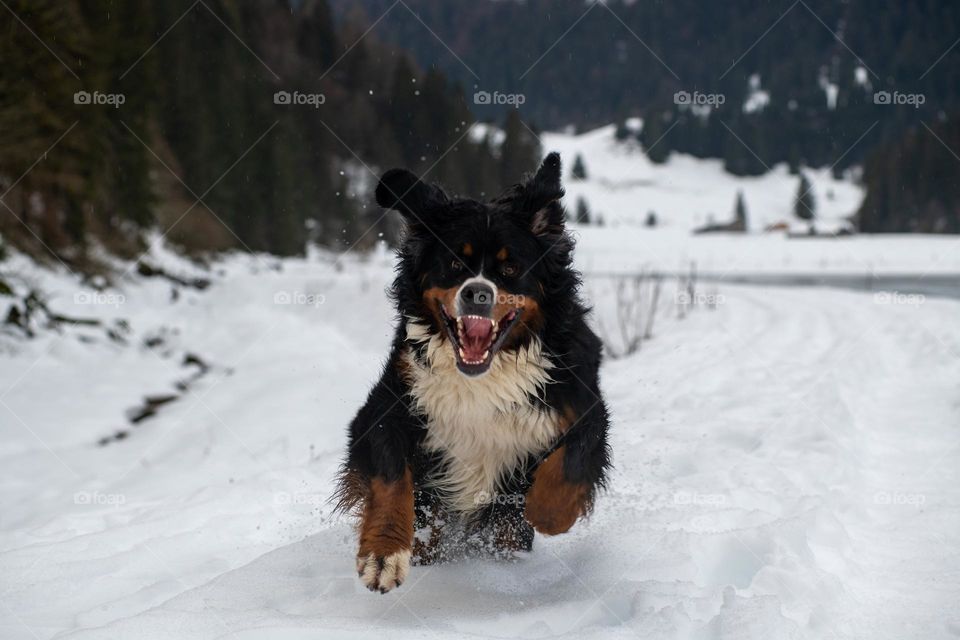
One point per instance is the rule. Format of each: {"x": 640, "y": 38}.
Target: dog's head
{"x": 487, "y": 276}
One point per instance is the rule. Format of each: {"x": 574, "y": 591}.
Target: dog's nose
{"x": 476, "y": 299}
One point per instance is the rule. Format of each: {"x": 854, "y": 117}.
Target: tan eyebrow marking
{"x": 502, "y": 254}
{"x": 468, "y": 249}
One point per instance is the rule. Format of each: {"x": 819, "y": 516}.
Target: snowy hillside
{"x": 686, "y": 192}
{"x": 622, "y": 187}
{"x": 785, "y": 468}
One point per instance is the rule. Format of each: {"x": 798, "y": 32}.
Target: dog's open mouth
{"x": 477, "y": 339}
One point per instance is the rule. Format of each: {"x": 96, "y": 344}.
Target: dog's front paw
{"x": 553, "y": 514}
{"x": 383, "y": 573}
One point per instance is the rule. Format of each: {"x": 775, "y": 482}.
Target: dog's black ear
{"x": 541, "y": 198}
{"x": 547, "y": 177}
{"x": 416, "y": 200}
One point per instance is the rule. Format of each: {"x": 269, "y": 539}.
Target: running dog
{"x": 487, "y": 422}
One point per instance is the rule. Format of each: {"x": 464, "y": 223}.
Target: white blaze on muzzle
{"x": 476, "y": 326}
{"x": 463, "y": 306}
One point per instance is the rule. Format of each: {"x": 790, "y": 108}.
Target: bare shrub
{"x": 634, "y": 301}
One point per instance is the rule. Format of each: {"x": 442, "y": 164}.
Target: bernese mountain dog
{"x": 487, "y": 422}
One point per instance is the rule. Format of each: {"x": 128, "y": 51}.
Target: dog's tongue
{"x": 477, "y": 336}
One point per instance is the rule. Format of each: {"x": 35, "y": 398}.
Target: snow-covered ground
{"x": 786, "y": 467}
{"x": 786, "y": 461}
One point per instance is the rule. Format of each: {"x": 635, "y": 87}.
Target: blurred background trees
{"x": 798, "y": 80}
{"x": 199, "y": 144}
{"x": 200, "y": 150}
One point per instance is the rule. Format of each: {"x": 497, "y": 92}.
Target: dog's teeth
{"x": 463, "y": 355}
{"x": 485, "y": 354}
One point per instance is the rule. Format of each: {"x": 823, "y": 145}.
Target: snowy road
{"x": 786, "y": 466}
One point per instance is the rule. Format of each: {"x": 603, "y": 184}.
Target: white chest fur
{"x": 484, "y": 427}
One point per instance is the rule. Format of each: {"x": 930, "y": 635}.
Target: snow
{"x": 830, "y": 89}
{"x": 785, "y": 463}
{"x": 685, "y": 193}
{"x": 758, "y": 98}
{"x": 756, "y": 101}
{"x": 480, "y": 131}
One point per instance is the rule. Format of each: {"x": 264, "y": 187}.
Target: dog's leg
{"x": 378, "y": 480}
{"x": 386, "y": 533}
{"x": 565, "y": 482}
{"x": 553, "y": 502}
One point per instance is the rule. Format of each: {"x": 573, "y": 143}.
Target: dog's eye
{"x": 456, "y": 265}
{"x": 509, "y": 270}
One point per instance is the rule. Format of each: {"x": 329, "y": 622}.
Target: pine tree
{"x": 655, "y": 138}
{"x": 316, "y": 38}
{"x": 125, "y": 29}
{"x": 437, "y": 133}
{"x": 793, "y": 160}
{"x": 579, "y": 171}
{"x": 804, "y": 204}
{"x": 37, "y": 107}
{"x": 407, "y": 118}
{"x": 483, "y": 177}
{"x": 740, "y": 213}
{"x": 582, "y": 215}
{"x": 520, "y": 151}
